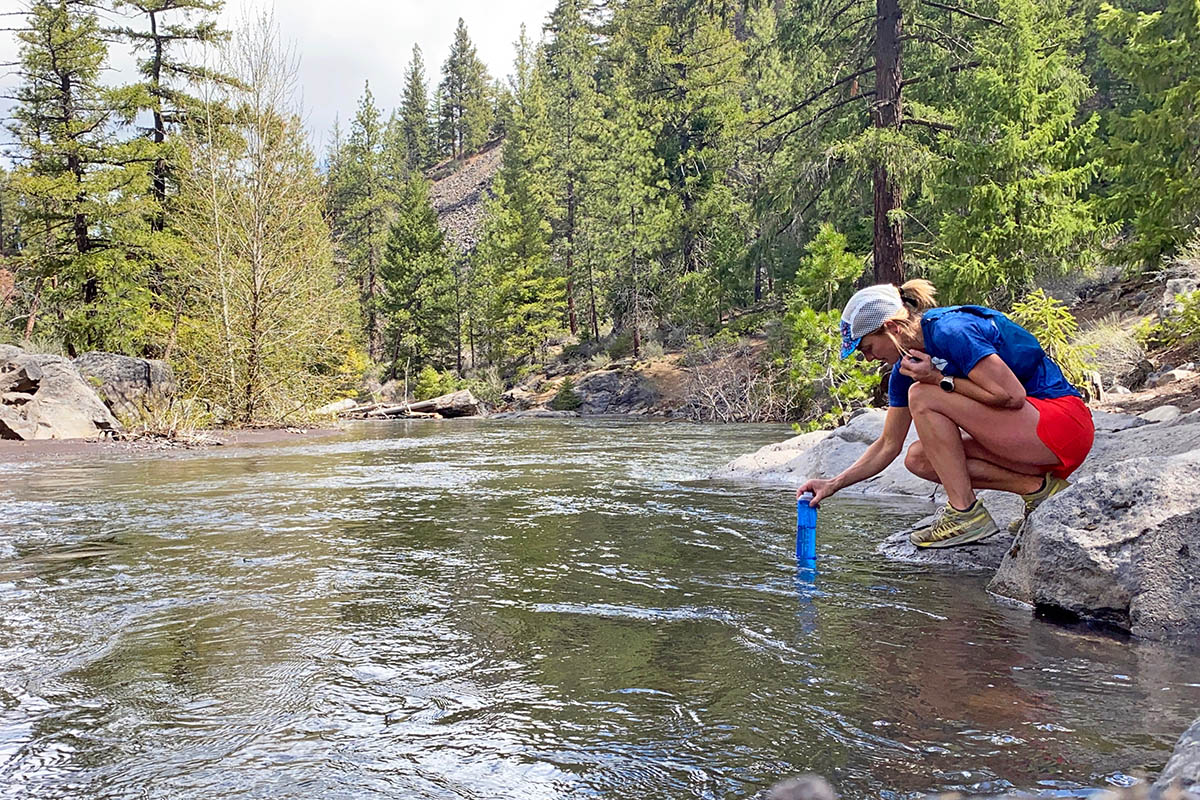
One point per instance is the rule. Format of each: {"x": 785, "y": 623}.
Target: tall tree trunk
{"x": 33, "y": 308}
{"x": 637, "y": 334}
{"x": 889, "y": 228}
{"x": 571, "y": 317}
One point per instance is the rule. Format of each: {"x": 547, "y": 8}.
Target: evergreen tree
{"x": 83, "y": 189}
{"x": 519, "y": 301}
{"x": 632, "y": 210}
{"x": 366, "y": 195}
{"x": 465, "y": 110}
{"x": 1013, "y": 191}
{"x": 1154, "y": 133}
{"x": 415, "y": 114}
{"x": 165, "y": 79}
{"x": 419, "y": 287}
{"x": 574, "y": 128}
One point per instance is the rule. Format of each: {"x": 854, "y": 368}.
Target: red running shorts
{"x": 1065, "y": 427}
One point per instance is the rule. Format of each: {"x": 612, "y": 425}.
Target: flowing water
{"x": 521, "y": 610}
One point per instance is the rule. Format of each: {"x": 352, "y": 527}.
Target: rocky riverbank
{"x": 1120, "y": 546}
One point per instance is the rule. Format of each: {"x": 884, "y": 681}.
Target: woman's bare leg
{"x": 986, "y": 469}
{"x": 940, "y": 418}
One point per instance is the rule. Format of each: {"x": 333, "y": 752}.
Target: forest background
{"x": 675, "y": 175}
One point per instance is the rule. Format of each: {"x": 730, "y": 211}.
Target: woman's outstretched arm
{"x": 883, "y": 451}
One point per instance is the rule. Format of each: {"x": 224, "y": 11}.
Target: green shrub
{"x": 652, "y": 349}
{"x": 826, "y": 274}
{"x": 599, "y": 361}
{"x": 826, "y": 387}
{"x": 1181, "y": 326}
{"x": 1055, "y": 328}
{"x": 566, "y": 399}
{"x": 431, "y": 383}
{"x": 621, "y": 345}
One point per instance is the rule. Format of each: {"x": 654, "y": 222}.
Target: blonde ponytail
{"x": 918, "y": 295}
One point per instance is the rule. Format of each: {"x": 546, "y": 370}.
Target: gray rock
{"x": 1136, "y": 378}
{"x": 1110, "y": 422}
{"x": 1119, "y": 389}
{"x": 614, "y": 391}
{"x": 534, "y": 413}
{"x": 802, "y": 787}
{"x": 823, "y": 454}
{"x": 56, "y": 402}
{"x": 519, "y": 398}
{"x": 1170, "y": 376}
{"x": 1121, "y": 545}
{"x": 1183, "y": 770}
{"x": 1173, "y": 293}
{"x": 128, "y": 386}
{"x": 1161, "y": 414}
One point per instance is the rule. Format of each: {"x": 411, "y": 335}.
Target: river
{"x": 534, "y": 609}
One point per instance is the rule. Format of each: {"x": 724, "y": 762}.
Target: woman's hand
{"x": 820, "y": 489}
{"x": 919, "y": 366}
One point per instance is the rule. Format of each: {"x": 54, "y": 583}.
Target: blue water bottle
{"x": 806, "y": 532}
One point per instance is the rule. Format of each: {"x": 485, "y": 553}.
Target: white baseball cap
{"x": 866, "y": 312}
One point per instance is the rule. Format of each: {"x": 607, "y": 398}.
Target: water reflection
{"x": 536, "y": 610}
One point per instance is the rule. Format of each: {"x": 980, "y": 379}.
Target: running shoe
{"x": 1051, "y": 485}
{"x": 953, "y": 527}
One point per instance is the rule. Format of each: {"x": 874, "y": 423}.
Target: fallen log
{"x": 456, "y": 404}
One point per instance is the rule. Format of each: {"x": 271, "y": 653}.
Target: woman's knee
{"x": 920, "y": 397}
{"x": 916, "y": 462}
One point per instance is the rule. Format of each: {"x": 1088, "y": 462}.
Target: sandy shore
{"x": 12, "y": 450}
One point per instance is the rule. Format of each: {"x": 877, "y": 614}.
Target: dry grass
{"x": 181, "y": 422}
{"x": 1113, "y": 350}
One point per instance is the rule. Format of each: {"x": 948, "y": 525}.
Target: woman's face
{"x": 879, "y": 346}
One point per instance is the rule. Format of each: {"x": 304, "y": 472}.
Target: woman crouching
{"x": 992, "y": 410}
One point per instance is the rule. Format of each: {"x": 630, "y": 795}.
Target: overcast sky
{"x": 343, "y": 43}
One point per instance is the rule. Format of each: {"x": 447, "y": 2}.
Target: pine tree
{"x": 1154, "y": 133}
{"x": 165, "y": 79}
{"x": 415, "y": 114}
{"x": 366, "y": 193}
{"x": 465, "y": 110}
{"x": 575, "y": 126}
{"x": 519, "y": 301}
{"x": 632, "y": 210}
{"x": 82, "y": 187}
{"x": 1019, "y": 160}
{"x": 419, "y": 287}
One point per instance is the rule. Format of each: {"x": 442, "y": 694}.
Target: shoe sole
{"x": 962, "y": 538}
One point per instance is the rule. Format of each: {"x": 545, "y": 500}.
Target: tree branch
{"x": 812, "y": 98}
{"x": 963, "y": 11}
{"x": 938, "y": 126}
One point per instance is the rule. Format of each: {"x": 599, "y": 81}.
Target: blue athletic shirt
{"x": 958, "y": 337}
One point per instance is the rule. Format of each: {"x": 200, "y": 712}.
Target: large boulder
{"x": 45, "y": 397}
{"x": 823, "y": 454}
{"x": 128, "y": 385}
{"x": 614, "y": 391}
{"x": 1182, "y": 772}
{"x": 1122, "y": 545}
